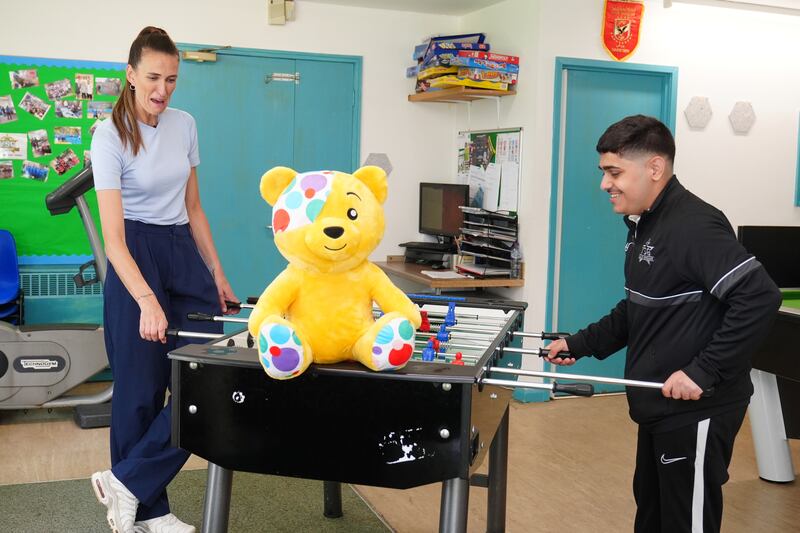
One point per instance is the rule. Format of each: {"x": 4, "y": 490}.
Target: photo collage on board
{"x": 48, "y": 115}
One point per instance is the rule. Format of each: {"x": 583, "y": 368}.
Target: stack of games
{"x": 462, "y": 60}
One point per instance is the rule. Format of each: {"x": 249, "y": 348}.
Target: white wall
{"x": 414, "y": 136}
{"x": 746, "y": 55}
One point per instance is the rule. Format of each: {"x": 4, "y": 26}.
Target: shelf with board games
{"x": 461, "y": 68}
{"x": 457, "y": 94}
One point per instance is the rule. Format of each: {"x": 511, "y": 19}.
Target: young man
{"x": 696, "y": 306}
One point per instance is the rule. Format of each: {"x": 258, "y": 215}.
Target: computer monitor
{"x": 439, "y": 212}
{"x": 776, "y": 248}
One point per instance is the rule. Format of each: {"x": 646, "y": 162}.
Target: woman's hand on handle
{"x": 225, "y": 292}
{"x": 152, "y": 321}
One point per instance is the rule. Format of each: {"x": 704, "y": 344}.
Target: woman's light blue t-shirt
{"x": 152, "y": 183}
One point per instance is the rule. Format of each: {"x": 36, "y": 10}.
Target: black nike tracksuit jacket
{"x": 695, "y": 301}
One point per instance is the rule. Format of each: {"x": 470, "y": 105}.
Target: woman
{"x": 162, "y": 264}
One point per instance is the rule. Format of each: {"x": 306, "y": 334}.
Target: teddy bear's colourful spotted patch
{"x": 301, "y": 201}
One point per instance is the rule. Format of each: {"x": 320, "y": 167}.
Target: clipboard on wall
{"x": 489, "y": 161}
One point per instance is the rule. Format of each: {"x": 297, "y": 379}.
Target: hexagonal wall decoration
{"x": 742, "y": 117}
{"x": 379, "y": 160}
{"x": 698, "y": 112}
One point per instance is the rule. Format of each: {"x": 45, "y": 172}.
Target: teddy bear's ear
{"x": 374, "y": 178}
{"x": 274, "y": 181}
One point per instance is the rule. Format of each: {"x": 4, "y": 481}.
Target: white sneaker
{"x": 168, "y": 523}
{"x": 120, "y": 502}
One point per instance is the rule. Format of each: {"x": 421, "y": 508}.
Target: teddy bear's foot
{"x": 280, "y": 351}
{"x": 392, "y": 344}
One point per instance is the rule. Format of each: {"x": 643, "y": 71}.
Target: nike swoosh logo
{"x": 665, "y": 461}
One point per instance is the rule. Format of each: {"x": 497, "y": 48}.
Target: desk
{"x": 413, "y": 272}
{"x": 775, "y": 406}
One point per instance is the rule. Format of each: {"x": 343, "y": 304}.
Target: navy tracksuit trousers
{"x": 142, "y": 457}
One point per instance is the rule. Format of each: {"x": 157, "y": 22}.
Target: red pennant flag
{"x": 621, "y": 22}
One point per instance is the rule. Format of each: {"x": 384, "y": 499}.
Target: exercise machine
{"x": 40, "y": 363}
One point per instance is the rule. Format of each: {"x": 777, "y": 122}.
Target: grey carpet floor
{"x": 258, "y": 504}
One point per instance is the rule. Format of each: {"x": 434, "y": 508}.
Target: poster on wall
{"x": 622, "y": 20}
{"x": 489, "y": 162}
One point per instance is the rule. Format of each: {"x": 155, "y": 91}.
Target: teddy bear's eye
{"x": 352, "y": 214}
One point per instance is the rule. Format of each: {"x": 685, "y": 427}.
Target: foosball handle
{"x": 543, "y": 352}
{"x": 708, "y": 393}
{"x": 233, "y": 305}
{"x": 576, "y": 389}
{"x": 553, "y": 336}
{"x": 199, "y": 316}
{"x": 252, "y": 300}
{"x": 172, "y": 331}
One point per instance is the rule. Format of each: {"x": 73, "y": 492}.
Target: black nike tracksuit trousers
{"x": 680, "y": 473}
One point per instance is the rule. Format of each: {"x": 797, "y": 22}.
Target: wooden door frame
{"x": 356, "y": 61}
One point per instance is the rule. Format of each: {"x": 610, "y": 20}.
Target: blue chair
{"x": 10, "y": 290}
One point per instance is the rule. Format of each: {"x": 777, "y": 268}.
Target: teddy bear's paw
{"x": 280, "y": 351}
{"x": 393, "y": 345}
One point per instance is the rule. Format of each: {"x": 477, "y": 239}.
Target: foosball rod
{"x": 541, "y": 352}
{"x": 215, "y": 318}
{"x": 544, "y": 335}
{"x": 193, "y": 334}
{"x": 596, "y": 379}
{"x": 467, "y": 317}
{"x": 238, "y": 305}
{"x": 576, "y": 389}
{"x": 580, "y": 377}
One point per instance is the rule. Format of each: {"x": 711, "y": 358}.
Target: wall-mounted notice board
{"x": 489, "y": 161}
{"x": 48, "y": 111}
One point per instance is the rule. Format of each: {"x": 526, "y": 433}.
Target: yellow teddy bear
{"x": 319, "y": 309}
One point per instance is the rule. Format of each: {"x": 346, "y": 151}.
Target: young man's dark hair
{"x": 638, "y": 134}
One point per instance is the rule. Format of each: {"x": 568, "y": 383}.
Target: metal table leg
{"x": 498, "y": 477}
{"x": 217, "y": 505}
{"x": 454, "y": 506}
{"x": 333, "y": 499}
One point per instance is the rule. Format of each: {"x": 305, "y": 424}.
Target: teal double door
{"x": 587, "y": 239}
{"x": 255, "y": 110}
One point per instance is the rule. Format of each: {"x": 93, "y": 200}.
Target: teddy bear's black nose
{"x": 334, "y": 232}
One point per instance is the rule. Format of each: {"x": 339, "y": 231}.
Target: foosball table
{"x": 435, "y": 420}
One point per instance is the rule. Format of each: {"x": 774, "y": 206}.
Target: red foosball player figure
{"x": 459, "y": 359}
{"x": 426, "y": 325}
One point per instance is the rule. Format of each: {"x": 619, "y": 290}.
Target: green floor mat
{"x": 258, "y": 504}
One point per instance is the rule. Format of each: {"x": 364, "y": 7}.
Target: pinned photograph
{"x": 13, "y": 146}
{"x": 34, "y": 171}
{"x": 67, "y": 135}
{"x": 23, "y": 78}
{"x": 94, "y": 126}
{"x": 87, "y": 158}
{"x": 8, "y": 113}
{"x": 6, "y": 170}
{"x": 99, "y": 110}
{"x": 64, "y": 161}
{"x": 68, "y": 108}
{"x": 109, "y": 86}
{"x": 34, "y": 105}
{"x": 40, "y": 144}
{"x": 85, "y": 86}
{"x": 58, "y": 89}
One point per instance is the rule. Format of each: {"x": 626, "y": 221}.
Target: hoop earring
{"x": 133, "y": 88}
